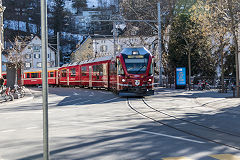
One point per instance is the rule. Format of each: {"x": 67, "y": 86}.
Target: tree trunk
{"x": 222, "y": 70}
{"x": 16, "y": 74}
{"x": 235, "y": 44}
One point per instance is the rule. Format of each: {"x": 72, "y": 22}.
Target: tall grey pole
{"x": 58, "y": 50}
{"x": 114, "y": 38}
{"x": 44, "y": 78}
{"x": 160, "y": 45}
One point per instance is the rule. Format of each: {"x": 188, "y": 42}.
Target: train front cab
{"x": 135, "y": 72}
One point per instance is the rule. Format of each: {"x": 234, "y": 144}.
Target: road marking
{"x": 108, "y": 100}
{"x": 176, "y": 158}
{"x": 225, "y": 157}
{"x": 153, "y": 133}
{"x": 10, "y": 130}
{"x": 164, "y": 135}
{"x": 31, "y": 128}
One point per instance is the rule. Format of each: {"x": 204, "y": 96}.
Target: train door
{"x": 105, "y": 75}
{"x": 68, "y": 76}
{"x": 57, "y": 76}
{"x": 118, "y": 63}
{"x": 90, "y": 76}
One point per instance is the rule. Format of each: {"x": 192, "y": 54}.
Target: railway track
{"x": 212, "y": 103}
{"x": 203, "y": 132}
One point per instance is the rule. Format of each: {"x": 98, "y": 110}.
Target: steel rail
{"x": 197, "y": 124}
{"x": 181, "y": 130}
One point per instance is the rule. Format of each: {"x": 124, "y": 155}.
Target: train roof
{"x": 40, "y": 69}
{"x": 106, "y": 58}
{"x": 135, "y": 50}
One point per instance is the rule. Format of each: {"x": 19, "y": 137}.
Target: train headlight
{"x": 123, "y": 80}
{"x": 149, "y": 80}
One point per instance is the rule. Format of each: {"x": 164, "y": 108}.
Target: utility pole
{"x": 160, "y": 45}
{"x": 58, "y": 50}
{"x": 44, "y": 78}
{"x": 189, "y": 71}
{"x": 114, "y": 38}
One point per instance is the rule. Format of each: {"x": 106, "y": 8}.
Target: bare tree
{"x": 15, "y": 56}
{"x": 222, "y": 20}
{"x": 234, "y": 15}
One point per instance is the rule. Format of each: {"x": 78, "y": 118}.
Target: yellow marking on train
{"x": 176, "y": 158}
{"x": 225, "y": 157}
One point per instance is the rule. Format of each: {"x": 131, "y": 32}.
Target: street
{"x": 97, "y": 124}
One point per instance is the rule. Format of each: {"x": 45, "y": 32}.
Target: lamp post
{"x": 160, "y": 45}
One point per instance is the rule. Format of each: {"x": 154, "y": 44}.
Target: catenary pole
{"x": 114, "y": 38}
{"x": 58, "y": 50}
{"x": 159, "y": 44}
{"x": 44, "y": 78}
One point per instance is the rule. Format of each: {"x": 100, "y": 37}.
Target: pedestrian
{"x": 1, "y": 82}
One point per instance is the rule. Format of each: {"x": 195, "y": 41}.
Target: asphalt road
{"x": 96, "y": 124}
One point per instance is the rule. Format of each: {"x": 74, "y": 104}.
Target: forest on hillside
{"x": 23, "y": 19}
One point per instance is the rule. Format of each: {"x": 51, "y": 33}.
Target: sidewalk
{"x": 214, "y": 99}
{"x": 207, "y": 98}
{"x": 28, "y": 96}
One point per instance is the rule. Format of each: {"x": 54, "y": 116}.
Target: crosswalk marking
{"x": 225, "y": 157}
{"x": 176, "y": 158}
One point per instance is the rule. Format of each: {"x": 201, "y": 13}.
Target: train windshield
{"x": 136, "y": 65}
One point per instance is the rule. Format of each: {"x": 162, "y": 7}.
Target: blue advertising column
{"x": 180, "y": 78}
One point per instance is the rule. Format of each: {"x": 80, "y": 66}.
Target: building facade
{"x": 33, "y": 55}
{"x": 84, "y": 51}
{"x": 95, "y": 47}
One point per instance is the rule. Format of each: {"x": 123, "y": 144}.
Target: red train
{"x": 129, "y": 74}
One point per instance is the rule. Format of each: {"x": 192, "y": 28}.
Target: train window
{"x": 151, "y": 69}
{"x": 95, "y": 68}
{"x": 73, "y": 72}
{"x": 64, "y": 73}
{"x": 98, "y": 69}
{"x": 136, "y": 65}
{"x": 120, "y": 68}
{"x": 34, "y": 75}
{"x": 28, "y": 75}
{"x": 84, "y": 71}
{"x": 51, "y": 74}
{"x": 112, "y": 68}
